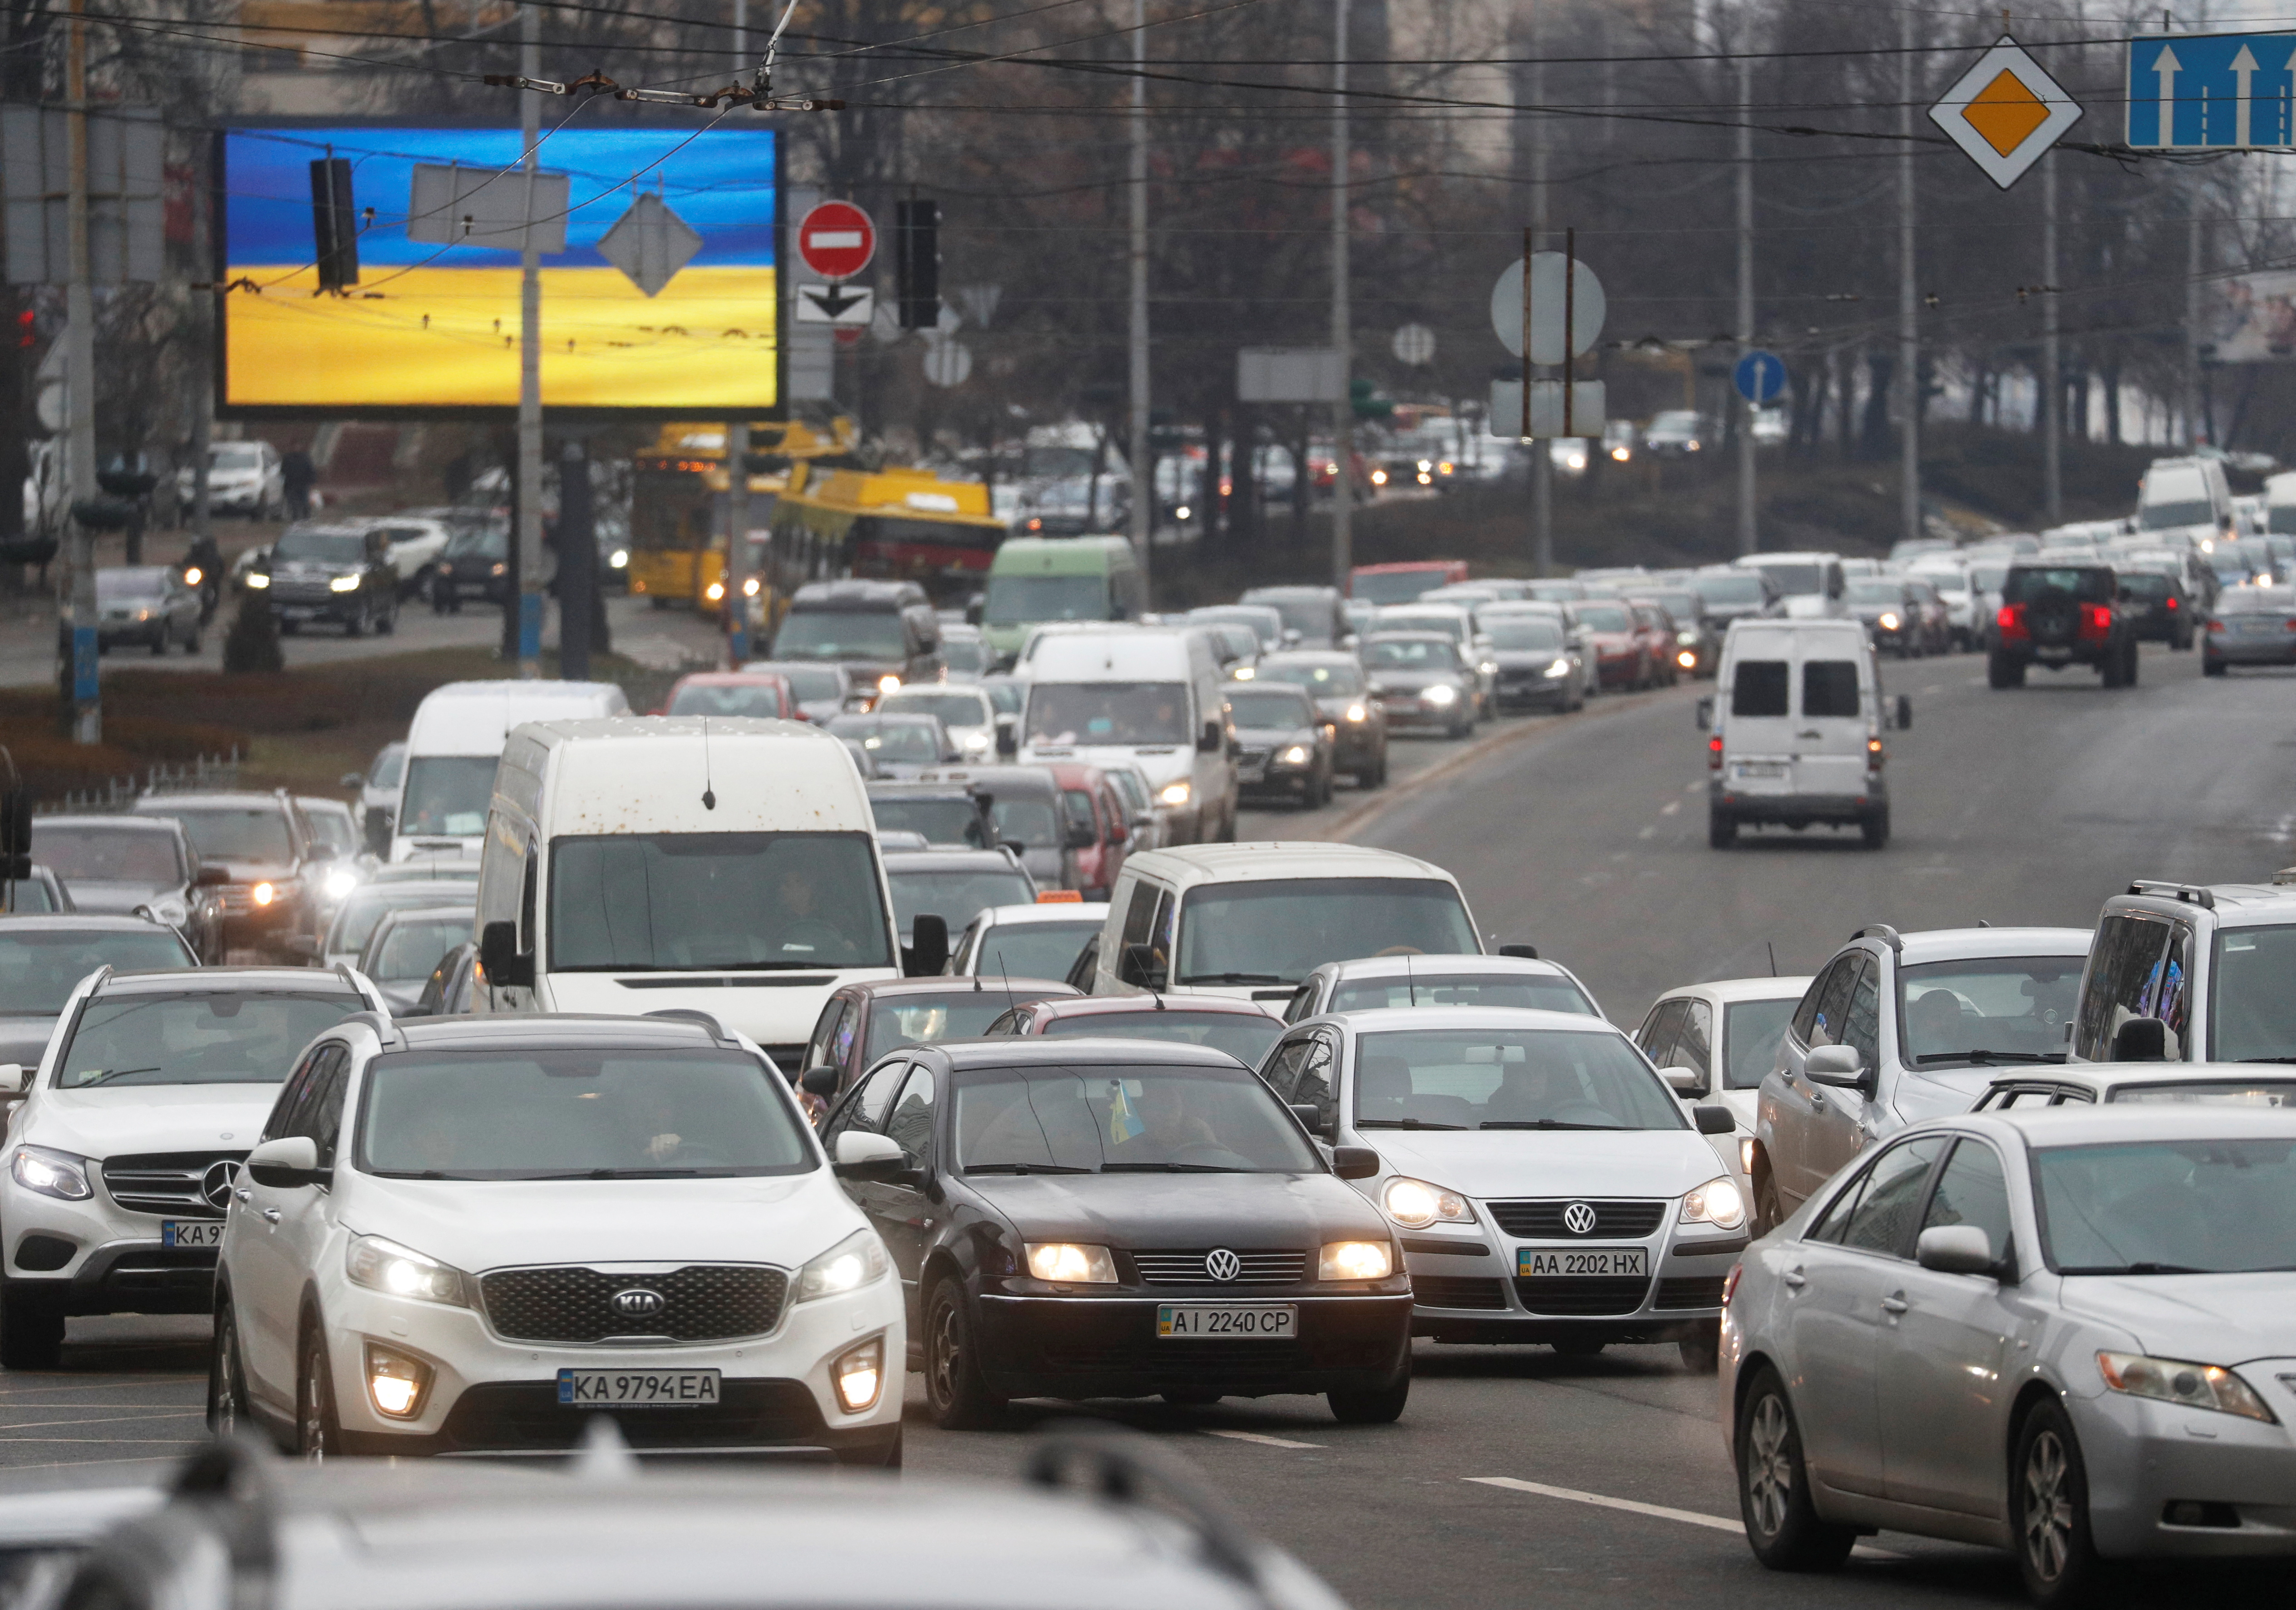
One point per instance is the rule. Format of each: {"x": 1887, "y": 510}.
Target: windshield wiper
{"x": 1171, "y": 1168}
{"x": 1022, "y": 1168}
{"x": 1236, "y": 978}
{"x": 2146, "y": 1266}
{"x": 1983, "y": 1058}
{"x": 1404, "y": 1123}
{"x": 1543, "y": 1123}
{"x": 107, "y": 1076}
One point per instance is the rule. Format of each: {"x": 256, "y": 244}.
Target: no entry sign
{"x": 836, "y": 239}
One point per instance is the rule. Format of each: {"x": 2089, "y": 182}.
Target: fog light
{"x": 263, "y": 894}
{"x": 397, "y": 1382}
{"x": 859, "y": 1373}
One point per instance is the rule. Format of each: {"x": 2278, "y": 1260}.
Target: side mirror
{"x": 12, "y": 1079}
{"x": 926, "y": 954}
{"x": 2141, "y": 1039}
{"x": 974, "y": 609}
{"x": 499, "y": 957}
{"x": 1528, "y": 953}
{"x": 210, "y": 876}
{"x": 1355, "y": 1162}
{"x": 378, "y": 830}
{"x": 1208, "y": 742}
{"x": 1292, "y": 637}
{"x": 1705, "y": 716}
{"x": 1310, "y": 1117}
{"x": 1904, "y": 711}
{"x": 287, "y": 1163}
{"x": 1684, "y": 1081}
{"x": 1711, "y": 1118}
{"x": 1839, "y": 1066}
{"x": 820, "y": 1081}
{"x": 1954, "y": 1249}
{"x": 1008, "y": 740}
{"x": 1142, "y": 968}
{"x": 863, "y": 1156}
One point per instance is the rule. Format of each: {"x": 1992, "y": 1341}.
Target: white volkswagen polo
{"x": 475, "y": 1234}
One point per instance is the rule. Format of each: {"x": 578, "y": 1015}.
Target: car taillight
{"x": 1714, "y": 752}
{"x": 1873, "y": 754}
{"x": 2095, "y": 620}
{"x": 2172, "y": 603}
{"x": 2012, "y": 622}
{"x": 2216, "y": 626}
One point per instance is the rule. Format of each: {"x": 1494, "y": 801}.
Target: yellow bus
{"x": 678, "y": 496}
{"x": 890, "y": 524}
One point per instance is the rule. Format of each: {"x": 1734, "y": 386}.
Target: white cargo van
{"x": 1795, "y": 730}
{"x": 637, "y": 864}
{"x": 1144, "y": 697}
{"x": 1812, "y": 586}
{"x": 2178, "y": 494}
{"x": 453, "y": 744}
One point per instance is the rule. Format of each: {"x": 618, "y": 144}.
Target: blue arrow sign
{"x": 2212, "y": 91}
{"x": 1759, "y": 376}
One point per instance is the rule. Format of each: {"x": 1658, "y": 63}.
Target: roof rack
{"x": 392, "y": 1036}
{"x": 694, "y": 1015}
{"x": 2190, "y": 894}
{"x": 1885, "y": 933}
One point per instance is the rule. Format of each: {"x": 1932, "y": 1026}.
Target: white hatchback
{"x": 474, "y": 1235}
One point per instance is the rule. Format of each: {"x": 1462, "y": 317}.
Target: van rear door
{"x": 1758, "y": 724}
{"x": 1833, "y": 680}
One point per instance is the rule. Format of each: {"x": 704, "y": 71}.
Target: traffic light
{"x": 917, "y": 263}
{"x": 334, "y": 224}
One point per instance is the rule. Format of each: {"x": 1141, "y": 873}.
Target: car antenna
{"x": 709, "y": 794}
{"x": 1410, "y": 979}
{"x": 1772, "y": 948}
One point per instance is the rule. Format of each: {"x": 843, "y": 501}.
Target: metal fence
{"x": 196, "y": 776}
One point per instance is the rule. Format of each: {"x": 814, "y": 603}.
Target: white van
{"x": 2178, "y": 493}
{"x": 2279, "y": 504}
{"x": 1252, "y": 921}
{"x": 1145, "y": 697}
{"x": 638, "y": 864}
{"x": 1795, "y": 730}
{"x": 453, "y": 744}
{"x": 1812, "y": 584}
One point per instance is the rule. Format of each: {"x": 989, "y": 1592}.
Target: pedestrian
{"x": 297, "y": 476}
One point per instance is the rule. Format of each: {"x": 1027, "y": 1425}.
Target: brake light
{"x": 2172, "y": 603}
{"x": 2012, "y": 622}
{"x": 1714, "y": 752}
{"x": 2216, "y": 626}
{"x": 2095, "y": 620}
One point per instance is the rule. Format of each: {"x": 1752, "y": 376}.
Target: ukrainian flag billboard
{"x": 430, "y": 328}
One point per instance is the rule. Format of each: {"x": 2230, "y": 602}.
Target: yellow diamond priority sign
{"x": 2006, "y": 113}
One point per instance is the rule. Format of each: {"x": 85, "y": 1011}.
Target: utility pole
{"x": 79, "y": 392}
{"x": 1542, "y": 459}
{"x": 734, "y": 616}
{"x": 1343, "y": 412}
{"x": 1144, "y": 453}
{"x": 1909, "y": 386}
{"x": 2194, "y": 432}
{"x": 1746, "y": 538}
{"x": 528, "y": 535}
{"x": 2053, "y": 385}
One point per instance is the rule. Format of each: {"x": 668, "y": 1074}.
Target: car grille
{"x": 1690, "y": 1291}
{"x": 165, "y": 1182}
{"x": 1544, "y": 1221}
{"x": 1186, "y": 1268}
{"x": 1456, "y": 1291}
{"x": 1582, "y": 1294}
{"x": 1252, "y": 757}
{"x": 520, "y": 1414}
{"x": 702, "y": 1303}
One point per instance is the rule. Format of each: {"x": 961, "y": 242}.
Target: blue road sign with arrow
{"x": 2211, "y": 92}
{"x": 1759, "y": 376}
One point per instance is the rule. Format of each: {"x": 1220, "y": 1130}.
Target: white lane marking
{"x": 1929, "y": 691}
{"x": 1670, "y": 807}
{"x": 1647, "y": 832}
{"x": 1688, "y": 1517}
{"x": 1695, "y": 788}
{"x": 1262, "y": 1438}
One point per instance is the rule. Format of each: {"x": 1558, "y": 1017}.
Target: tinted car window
{"x": 1757, "y": 687}
{"x": 1750, "y": 1032}
{"x": 672, "y": 902}
{"x": 233, "y": 833}
{"x": 1507, "y": 1079}
{"x": 956, "y": 897}
{"x": 1031, "y": 949}
{"x": 1829, "y": 687}
{"x": 2254, "y": 1009}
{"x": 912, "y": 1020}
{"x": 1271, "y": 709}
{"x": 1147, "y": 1118}
{"x": 2032, "y": 584}
{"x": 1972, "y": 1190}
{"x": 1281, "y": 930}
{"x": 1884, "y": 1219}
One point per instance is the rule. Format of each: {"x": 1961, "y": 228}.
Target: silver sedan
{"x": 2064, "y": 1333}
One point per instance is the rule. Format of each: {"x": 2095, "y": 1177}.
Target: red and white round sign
{"x": 836, "y": 239}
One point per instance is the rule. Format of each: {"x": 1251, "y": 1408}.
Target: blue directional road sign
{"x": 1759, "y": 376}
{"x": 2212, "y": 91}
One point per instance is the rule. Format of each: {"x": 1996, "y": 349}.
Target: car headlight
{"x": 500, "y": 570}
{"x": 1356, "y": 712}
{"x": 859, "y": 1373}
{"x": 2175, "y": 1381}
{"x": 143, "y": 614}
{"x": 1415, "y": 1204}
{"x": 1718, "y": 1203}
{"x": 1889, "y": 620}
{"x": 619, "y": 559}
{"x": 1442, "y": 692}
{"x": 1070, "y": 1263}
{"x": 977, "y": 742}
{"x": 887, "y": 683}
{"x": 1297, "y": 755}
{"x": 1558, "y": 668}
{"x": 385, "y": 1266}
{"x": 193, "y": 575}
{"x": 51, "y": 1173}
{"x": 849, "y": 1265}
{"x": 340, "y": 881}
{"x": 1243, "y": 673}
{"x": 256, "y": 578}
{"x": 1488, "y": 667}
{"x": 1356, "y": 1261}
{"x": 345, "y": 584}
{"x": 750, "y": 587}
{"x": 714, "y": 591}
{"x": 1175, "y": 794}
{"x": 1686, "y": 638}
{"x": 263, "y": 894}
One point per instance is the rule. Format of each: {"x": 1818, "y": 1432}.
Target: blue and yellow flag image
{"x": 1123, "y": 1122}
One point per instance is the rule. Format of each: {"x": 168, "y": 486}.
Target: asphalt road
{"x": 1518, "y": 1476}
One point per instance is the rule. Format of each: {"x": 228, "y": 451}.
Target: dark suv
{"x": 2160, "y": 609}
{"x": 340, "y": 573}
{"x": 2055, "y": 615}
{"x": 883, "y": 633}
{"x": 273, "y": 859}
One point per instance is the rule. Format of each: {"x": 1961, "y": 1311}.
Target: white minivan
{"x": 1795, "y": 730}
{"x": 1142, "y": 697}
{"x": 452, "y": 746}
{"x": 640, "y": 864}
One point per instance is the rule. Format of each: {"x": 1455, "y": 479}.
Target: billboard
{"x": 2253, "y": 321}
{"x": 433, "y": 328}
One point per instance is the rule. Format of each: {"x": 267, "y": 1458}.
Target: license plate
{"x": 1227, "y": 1321}
{"x": 2260, "y": 629}
{"x": 640, "y": 1388}
{"x": 1554, "y": 1261}
{"x": 1251, "y": 773}
{"x": 191, "y": 1232}
{"x": 1758, "y": 769}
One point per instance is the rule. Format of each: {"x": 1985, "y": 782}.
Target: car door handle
{"x": 244, "y": 1195}
{"x": 270, "y": 1215}
{"x": 1795, "y": 1278}
{"x": 1809, "y": 734}
{"x": 1894, "y": 1304}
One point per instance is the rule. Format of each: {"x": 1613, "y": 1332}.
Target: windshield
{"x": 955, "y": 897}
{"x": 237, "y": 832}
{"x": 1535, "y": 992}
{"x": 1271, "y": 709}
{"x": 1605, "y": 618}
{"x": 1279, "y": 931}
{"x": 1007, "y": 695}
{"x": 2149, "y": 586}
{"x": 964, "y": 655}
{"x": 1798, "y": 580}
{"x": 1031, "y": 949}
{"x": 1263, "y": 631}
{"x": 1395, "y": 587}
{"x": 812, "y": 682}
{"x": 321, "y": 548}
{"x": 146, "y": 581}
{"x": 671, "y": 902}
{"x": 1308, "y": 617}
{"x": 234, "y": 455}
{"x": 915, "y": 1020}
{"x": 1977, "y": 1013}
{"x": 2163, "y": 516}
{"x": 1876, "y": 589}
{"x": 1527, "y": 637}
{"x": 245, "y": 1037}
{"x": 912, "y": 742}
{"x": 363, "y": 911}
{"x": 941, "y": 821}
{"x": 1403, "y": 621}
{"x": 576, "y": 1114}
{"x": 447, "y": 794}
{"x": 1025, "y": 600}
{"x": 954, "y": 710}
{"x": 25, "y": 897}
{"x": 2253, "y": 1009}
{"x": 1321, "y": 681}
{"x": 1987, "y": 578}
{"x": 38, "y": 966}
{"x": 334, "y": 829}
{"x": 841, "y": 634}
{"x": 2168, "y": 1207}
{"x": 1410, "y": 654}
{"x": 1152, "y": 713}
{"x": 759, "y": 699}
{"x": 389, "y": 765}
{"x": 1470, "y": 1079}
{"x": 1750, "y": 1032}
{"x": 1244, "y": 1037}
{"x": 1025, "y": 821}
{"x": 478, "y": 545}
{"x": 2213, "y": 1092}
{"x": 1730, "y": 590}
{"x": 411, "y": 950}
{"x": 1153, "y": 1120}
{"x": 116, "y": 853}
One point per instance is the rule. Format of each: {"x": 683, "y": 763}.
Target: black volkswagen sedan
{"x": 1115, "y": 1218}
